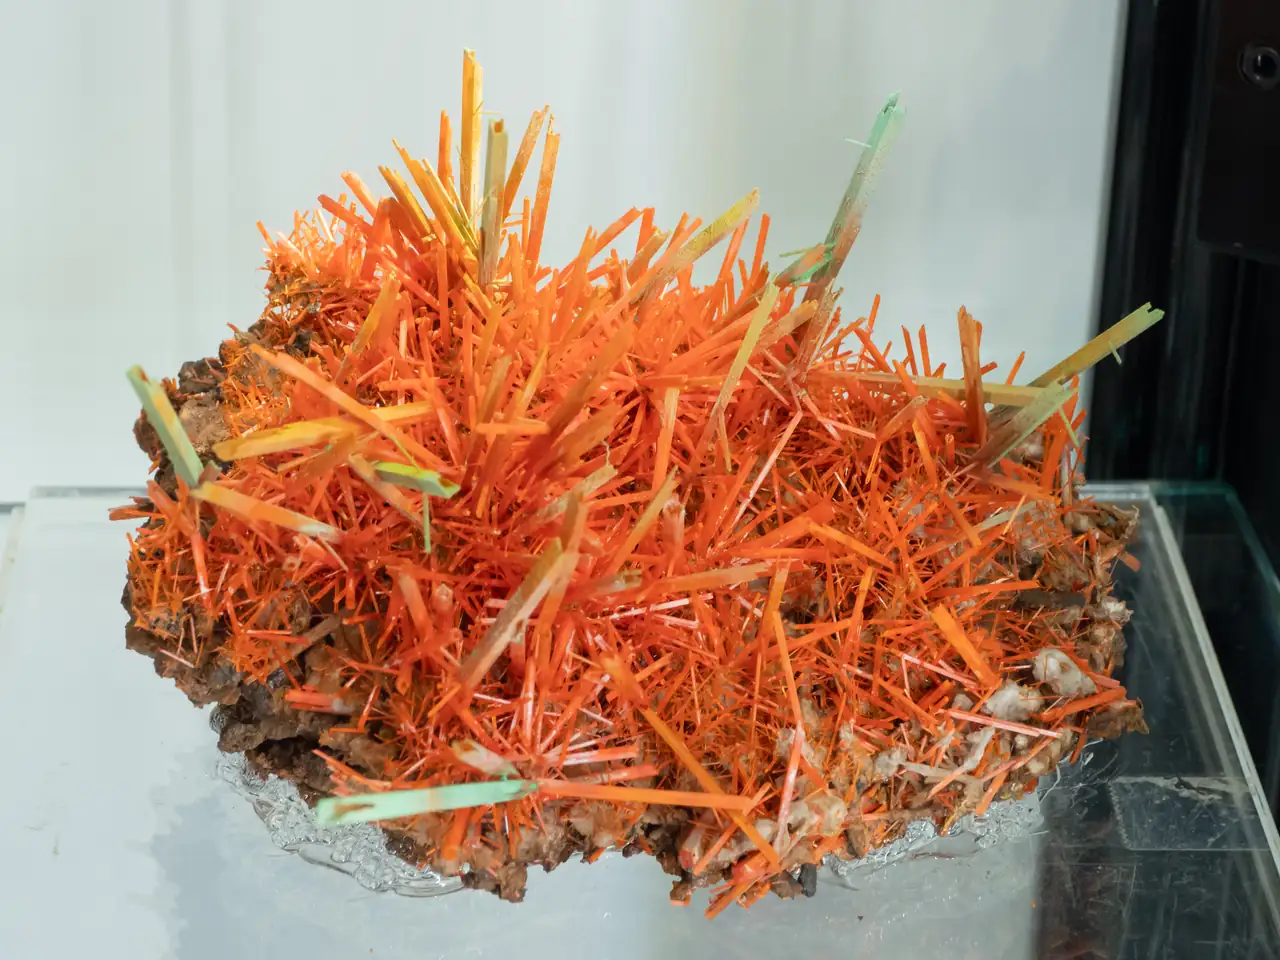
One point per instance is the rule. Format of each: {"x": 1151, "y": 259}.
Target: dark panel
{"x": 1150, "y": 177}
{"x": 1251, "y": 437}
{"x": 1167, "y": 412}
{"x": 1198, "y": 160}
{"x": 1239, "y": 207}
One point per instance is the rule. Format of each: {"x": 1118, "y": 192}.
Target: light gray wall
{"x": 143, "y": 139}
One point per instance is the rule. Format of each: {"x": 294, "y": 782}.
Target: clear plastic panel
{"x": 129, "y": 842}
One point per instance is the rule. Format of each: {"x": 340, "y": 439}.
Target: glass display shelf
{"x": 125, "y": 841}
{"x": 1239, "y": 595}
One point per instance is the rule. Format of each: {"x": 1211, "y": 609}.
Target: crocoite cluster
{"x": 704, "y": 571}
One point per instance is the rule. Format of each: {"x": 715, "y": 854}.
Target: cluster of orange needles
{"x": 602, "y": 538}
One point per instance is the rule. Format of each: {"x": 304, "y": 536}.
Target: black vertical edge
{"x": 1195, "y": 132}
{"x": 1155, "y": 416}
{"x": 1251, "y": 460}
{"x": 1192, "y": 399}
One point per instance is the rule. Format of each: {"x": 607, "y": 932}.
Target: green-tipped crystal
{"x": 394, "y": 804}
{"x": 483, "y": 759}
{"x": 428, "y": 482}
{"x": 162, "y": 417}
{"x": 1107, "y": 342}
{"x": 416, "y": 478}
{"x": 1022, "y": 424}
{"x": 793, "y": 274}
{"x": 848, "y": 219}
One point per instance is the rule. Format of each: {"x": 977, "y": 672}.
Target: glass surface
{"x": 1238, "y": 593}
{"x": 123, "y": 841}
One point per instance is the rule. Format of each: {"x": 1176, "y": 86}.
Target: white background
{"x": 142, "y": 139}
